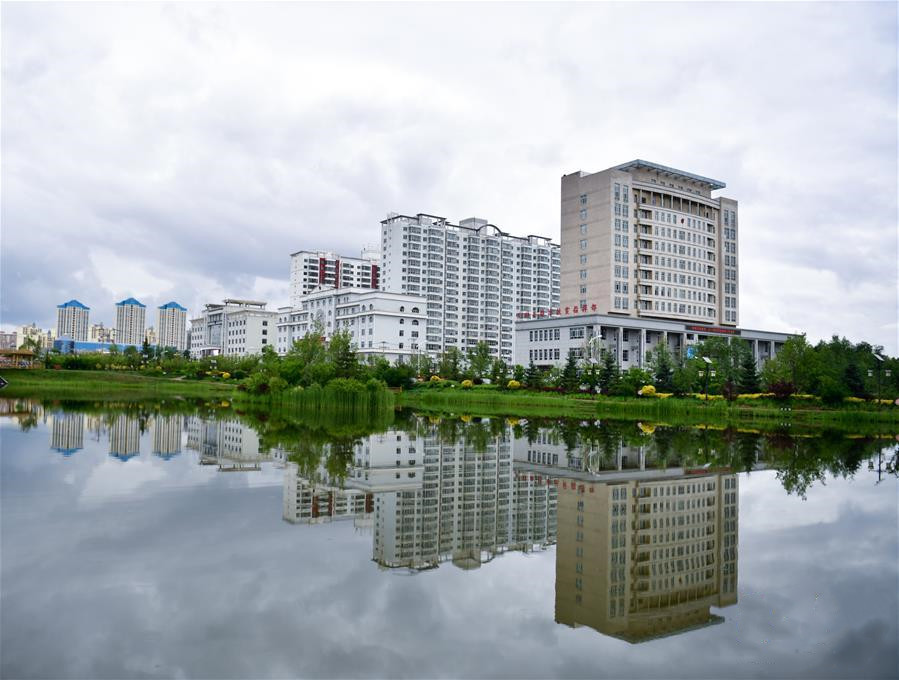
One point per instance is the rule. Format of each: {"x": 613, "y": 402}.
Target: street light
{"x": 880, "y": 372}
{"x": 707, "y": 372}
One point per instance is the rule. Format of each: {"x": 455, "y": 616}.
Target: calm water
{"x": 204, "y": 544}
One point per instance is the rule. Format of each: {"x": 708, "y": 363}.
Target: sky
{"x": 182, "y": 152}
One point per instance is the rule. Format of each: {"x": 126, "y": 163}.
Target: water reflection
{"x": 636, "y": 525}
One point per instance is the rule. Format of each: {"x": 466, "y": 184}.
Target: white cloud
{"x": 201, "y": 144}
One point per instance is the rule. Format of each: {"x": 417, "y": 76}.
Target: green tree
{"x": 590, "y": 375}
{"x": 795, "y": 364}
{"x": 518, "y": 373}
{"x": 479, "y": 360}
{"x": 450, "y": 365}
{"x": 533, "y": 377}
{"x": 342, "y": 355}
{"x": 853, "y": 380}
{"x": 499, "y": 372}
{"x": 570, "y": 379}
{"x": 662, "y": 367}
{"x": 608, "y": 372}
{"x": 749, "y": 376}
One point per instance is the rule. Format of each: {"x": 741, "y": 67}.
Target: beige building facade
{"x": 644, "y": 240}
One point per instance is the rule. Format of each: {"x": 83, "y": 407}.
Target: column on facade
{"x": 620, "y": 335}
{"x": 642, "y": 347}
{"x": 755, "y": 353}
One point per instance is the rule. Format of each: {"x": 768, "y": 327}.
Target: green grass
{"x": 765, "y": 415}
{"x": 106, "y": 385}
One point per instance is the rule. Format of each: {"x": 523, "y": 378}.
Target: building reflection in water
{"x": 166, "y": 435}
{"x": 644, "y": 557}
{"x": 67, "y": 433}
{"x": 430, "y": 501}
{"x": 228, "y": 444}
{"x": 124, "y": 437}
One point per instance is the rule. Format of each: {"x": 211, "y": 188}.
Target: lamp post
{"x": 880, "y": 373}
{"x": 707, "y": 371}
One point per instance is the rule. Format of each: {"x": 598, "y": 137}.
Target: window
{"x": 583, "y": 273}
{"x": 583, "y": 228}
{"x": 583, "y": 199}
{"x": 583, "y": 213}
{"x": 583, "y": 259}
{"x": 583, "y": 244}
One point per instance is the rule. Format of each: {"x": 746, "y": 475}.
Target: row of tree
{"x": 831, "y": 370}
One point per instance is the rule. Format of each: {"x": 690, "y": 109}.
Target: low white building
{"x": 380, "y": 323}
{"x": 235, "y": 327}
{"x": 546, "y": 340}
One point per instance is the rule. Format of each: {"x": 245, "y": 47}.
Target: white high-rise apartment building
{"x": 130, "y": 317}
{"x": 171, "y": 324}
{"x": 312, "y": 269}
{"x": 236, "y": 327}
{"x": 391, "y": 325}
{"x": 645, "y": 240}
{"x": 71, "y": 321}
{"x": 474, "y": 277}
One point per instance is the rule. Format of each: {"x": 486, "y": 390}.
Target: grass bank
{"x": 106, "y": 386}
{"x": 480, "y": 401}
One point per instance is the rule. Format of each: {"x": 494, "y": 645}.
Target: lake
{"x": 168, "y": 540}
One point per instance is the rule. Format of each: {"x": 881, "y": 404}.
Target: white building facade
{"x": 234, "y": 328}
{"x": 131, "y": 316}
{"x": 547, "y": 340}
{"x": 380, "y": 323}
{"x": 310, "y": 270}
{"x": 474, "y": 277}
{"x": 71, "y": 321}
{"x": 171, "y": 324}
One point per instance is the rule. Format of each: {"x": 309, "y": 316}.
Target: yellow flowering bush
{"x": 854, "y": 400}
{"x": 512, "y": 421}
{"x": 226, "y": 375}
{"x": 710, "y": 397}
{"x": 465, "y": 418}
{"x": 513, "y": 385}
{"x": 467, "y": 384}
{"x": 436, "y": 378}
{"x": 646, "y": 428}
{"x": 647, "y": 391}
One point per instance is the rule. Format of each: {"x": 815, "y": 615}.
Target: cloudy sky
{"x": 184, "y": 151}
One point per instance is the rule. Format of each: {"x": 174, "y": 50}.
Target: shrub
{"x": 436, "y": 378}
{"x": 513, "y": 385}
{"x": 647, "y": 391}
{"x": 782, "y": 389}
{"x": 467, "y": 384}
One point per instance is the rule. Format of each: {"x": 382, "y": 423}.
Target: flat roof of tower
{"x": 646, "y": 165}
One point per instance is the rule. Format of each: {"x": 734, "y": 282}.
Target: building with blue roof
{"x": 171, "y": 325}
{"x": 72, "y": 319}
{"x": 130, "y": 317}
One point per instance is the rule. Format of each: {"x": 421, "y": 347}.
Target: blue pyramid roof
{"x": 130, "y": 301}
{"x": 73, "y": 303}
{"x": 173, "y": 305}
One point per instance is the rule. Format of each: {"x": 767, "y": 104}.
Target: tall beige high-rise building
{"x": 171, "y": 325}
{"x": 130, "y": 316}
{"x": 71, "y": 321}
{"x": 644, "y": 240}
{"x": 639, "y": 559}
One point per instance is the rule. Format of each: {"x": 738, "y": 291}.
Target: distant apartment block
{"x": 391, "y": 325}
{"x": 311, "y": 269}
{"x": 102, "y": 334}
{"x": 8, "y": 340}
{"x": 644, "y": 240}
{"x": 71, "y": 321}
{"x": 150, "y": 336}
{"x": 130, "y": 321}
{"x": 171, "y": 325}
{"x": 235, "y": 327}
{"x": 474, "y": 277}
{"x": 44, "y": 337}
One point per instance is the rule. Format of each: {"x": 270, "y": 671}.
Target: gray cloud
{"x": 183, "y": 151}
